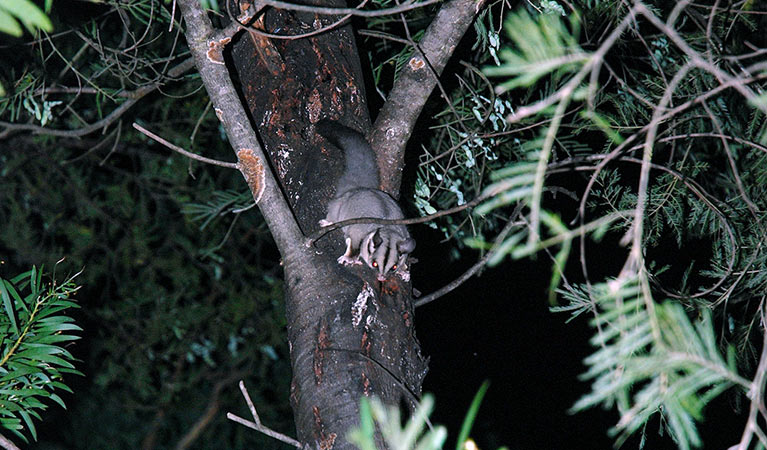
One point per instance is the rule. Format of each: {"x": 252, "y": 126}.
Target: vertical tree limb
{"x": 394, "y": 124}
{"x": 230, "y": 112}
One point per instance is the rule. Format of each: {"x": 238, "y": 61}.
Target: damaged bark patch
{"x": 416, "y": 63}
{"x": 245, "y": 12}
{"x": 365, "y": 385}
{"x": 253, "y": 170}
{"x": 326, "y": 440}
{"x": 360, "y": 305}
{"x": 406, "y": 318}
{"x": 323, "y": 342}
{"x": 216, "y": 50}
{"x": 365, "y": 344}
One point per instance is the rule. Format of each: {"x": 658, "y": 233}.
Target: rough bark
{"x": 350, "y": 335}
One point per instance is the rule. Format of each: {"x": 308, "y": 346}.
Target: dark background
{"x": 498, "y": 327}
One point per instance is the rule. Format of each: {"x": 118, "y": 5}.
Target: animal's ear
{"x": 406, "y": 246}
{"x": 377, "y": 240}
{"x": 369, "y": 242}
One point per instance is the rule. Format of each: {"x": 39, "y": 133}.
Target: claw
{"x": 349, "y": 260}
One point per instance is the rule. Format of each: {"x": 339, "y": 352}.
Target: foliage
{"x": 374, "y": 414}
{"x": 412, "y": 436}
{"x": 14, "y": 11}
{"x": 33, "y": 334}
{"x": 471, "y": 416}
{"x": 651, "y": 357}
{"x": 543, "y": 46}
{"x": 172, "y": 323}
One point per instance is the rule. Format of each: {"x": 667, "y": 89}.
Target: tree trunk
{"x": 350, "y": 335}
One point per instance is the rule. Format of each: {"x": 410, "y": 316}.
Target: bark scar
{"x": 360, "y": 305}
{"x": 323, "y": 342}
{"x": 326, "y": 440}
{"x": 416, "y": 63}
{"x": 216, "y": 50}
{"x": 253, "y": 170}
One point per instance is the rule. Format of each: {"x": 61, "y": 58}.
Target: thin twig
{"x": 257, "y": 425}
{"x": 178, "y": 149}
{"x": 7, "y": 444}
{"x": 473, "y": 269}
{"x": 312, "y": 238}
{"x": 210, "y": 413}
{"x": 137, "y": 95}
{"x": 237, "y": 25}
{"x": 756, "y": 394}
{"x": 407, "y": 6}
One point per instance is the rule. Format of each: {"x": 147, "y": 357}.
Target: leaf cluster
{"x": 650, "y": 358}
{"x": 670, "y": 159}
{"x": 182, "y": 295}
{"x": 33, "y": 333}
{"x": 375, "y": 416}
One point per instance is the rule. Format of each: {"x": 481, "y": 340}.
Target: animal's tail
{"x": 360, "y": 169}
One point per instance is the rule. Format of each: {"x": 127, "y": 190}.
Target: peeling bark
{"x": 349, "y": 334}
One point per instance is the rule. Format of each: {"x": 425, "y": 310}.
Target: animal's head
{"x": 384, "y": 250}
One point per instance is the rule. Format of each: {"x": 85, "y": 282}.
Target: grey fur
{"x": 384, "y": 248}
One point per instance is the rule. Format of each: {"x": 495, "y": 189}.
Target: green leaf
{"x": 30, "y": 425}
{"x": 9, "y": 26}
{"x": 28, "y": 13}
{"x": 35, "y": 278}
{"x": 35, "y": 351}
{"x": 19, "y": 372}
{"x": 364, "y": 436}
{"x": 10, "y": 423}
{"x": 5, "y": 289}
{"x": 55, "y": 360}
{"x": 14, "y": 293}
{"x": 58, "y": 400}
{"x": 471, "y": 415}
{"x": 54, "y": 338}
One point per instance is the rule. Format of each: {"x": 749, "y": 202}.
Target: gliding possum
{"x": 384, "y": 248}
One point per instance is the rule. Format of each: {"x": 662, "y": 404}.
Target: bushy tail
{"x": 360, "y": 169}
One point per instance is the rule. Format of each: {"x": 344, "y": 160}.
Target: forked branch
{"x": 256, "y": 424}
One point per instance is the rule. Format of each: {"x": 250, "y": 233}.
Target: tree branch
{"x": 756, "y": 394}
{"x": 178, "y": 149}
{"x": 325, "y": 229}
{"x": 7, "y": 444}
{"x": 257, "y": 425}
{"x": 397, "y": 118}
{"x": 133, "y": 98}
{"x": 210, "y": 413}
{"x": 231, "y": 113}
{"x": 473, "y": 269}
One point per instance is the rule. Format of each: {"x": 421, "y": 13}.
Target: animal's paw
{"x": 404, "y": 274}
{"x": 325, "y": 223}
{"x": 349, "y": 260}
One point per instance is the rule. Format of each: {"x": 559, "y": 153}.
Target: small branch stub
{"x": 253, "y": 170}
